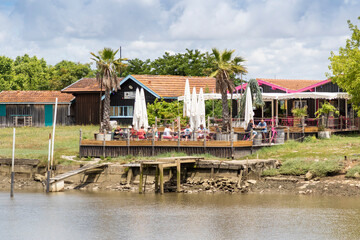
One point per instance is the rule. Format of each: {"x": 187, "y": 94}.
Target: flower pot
{"x": 324, "y": 134}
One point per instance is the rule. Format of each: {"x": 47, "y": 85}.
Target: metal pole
{"x": 12, "y": 166}
{"x": 53, "y": 135}
{"x": 48, "y": 167}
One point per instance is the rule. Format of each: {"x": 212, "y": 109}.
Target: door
{"x": 48, "y": 115}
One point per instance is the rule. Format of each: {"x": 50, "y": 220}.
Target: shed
{"x": 34, "y": 108}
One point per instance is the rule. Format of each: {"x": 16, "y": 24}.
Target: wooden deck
{"x": 223, "y": 149}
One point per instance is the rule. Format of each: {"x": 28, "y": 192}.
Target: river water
{"x": 103, "y": 215}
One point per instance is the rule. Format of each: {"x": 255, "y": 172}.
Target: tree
{"x": 255, "y": 94}
{"x": 345, "y": 66}
{"x": 107, "y": 66}
{"x": 6, "y": 73}
{"x": 326, "y": 110}
{"x": 67, "y": 72}
{"x": 226, "y": 68}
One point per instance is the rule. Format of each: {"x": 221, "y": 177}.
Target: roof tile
{"x": 34, "y": 97}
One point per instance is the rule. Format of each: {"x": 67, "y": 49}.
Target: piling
{"x": 12, "y": 166}
{"x": 48, "y": 167}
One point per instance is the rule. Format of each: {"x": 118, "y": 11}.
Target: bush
{"x": 270, "y": 172}
{"x": 352, "y": 171}
{"x": 325, "y": 168}
{"x": 295, "y": 167}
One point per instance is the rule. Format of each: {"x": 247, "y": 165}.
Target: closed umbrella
{"x": 187, "y": 100}
{"x": 144, "y": 117}
{"x": 201, "y": 109}
{"x": 249, "y": 112}
{"x": 193, "y": 109}
{"x": 137, "y": 110}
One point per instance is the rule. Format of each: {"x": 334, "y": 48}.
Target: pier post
{"x": 141, "y": 178}
{"x": 129, "y": 176}
{"x": 12, "y": 166}
{"x": 156, "y": 179}
{"x": 178, "y": 175}
{"x": 80, "y": 137}
{"x": 161, "y": 169}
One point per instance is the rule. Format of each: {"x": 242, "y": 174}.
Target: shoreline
{"x": 294, "y": 185}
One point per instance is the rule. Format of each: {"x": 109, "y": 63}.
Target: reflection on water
{"x": 83, "y": 215}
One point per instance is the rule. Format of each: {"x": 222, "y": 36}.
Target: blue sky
{"x": 278, "y": 38}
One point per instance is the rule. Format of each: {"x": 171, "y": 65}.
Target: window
{"x": 300, "y": 103}
{"x": 121, "y": 111}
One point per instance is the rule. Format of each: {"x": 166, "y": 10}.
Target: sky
{"x": 284, "y": 39}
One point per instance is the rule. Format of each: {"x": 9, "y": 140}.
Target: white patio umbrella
{"x": 193, "y": 109}
{"x": 249, "y": 112}
{"x": 144, "y": 117}
{"x": 187, "y": 100}
{"x": 137, "y": 110}
{"x": 201, "y": 109}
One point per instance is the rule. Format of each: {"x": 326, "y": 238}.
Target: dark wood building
{"x": 35, "y": 108}
{"x": 87, "y": 92}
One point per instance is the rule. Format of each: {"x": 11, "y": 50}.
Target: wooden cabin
{"x": 87, "y": 92}
{"x": 34, "y": 108}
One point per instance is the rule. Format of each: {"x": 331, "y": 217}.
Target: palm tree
{"x": 107, "y": 65}
{"x": 226, "y": 68}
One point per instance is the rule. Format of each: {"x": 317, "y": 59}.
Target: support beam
{"x": 272, "y": 112}
{"x": 156, "y": 179}
{"x": 161, "y": 169}
{"x": 346, "y": 114}
{"x": 277, "y": 113}
{"x": 178, "y": 175}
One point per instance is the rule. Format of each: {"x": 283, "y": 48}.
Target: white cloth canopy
{"x": 144, "y": 117}
{"x": 193, "y": 114}
{"x": 249, "y": 112}
{"x": 137, "y": 110}
{"x": 187, "y": 100}
{"x": 201, "y": 109}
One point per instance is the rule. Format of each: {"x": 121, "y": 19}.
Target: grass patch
{"x": 270, "y": 172}
{"x": 318, "y": 168}
{"x": 325, "y": 168}
{"x": 352, "y": 171}
{"x": 295, "y": 167}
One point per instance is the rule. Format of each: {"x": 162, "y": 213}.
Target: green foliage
{"x": 310, "y": 139}
{"x": 213, "y": 108}
{"x": 345, "y": 66}
{"x": 318, "y": 168}
{"x": 295, "y": 167}
{"x": 67, "y": 72}
{"x": 299, "y": 112}
{"x": 270, "y": 172}
{"x": 352, "y": 171}
{"x": 165, "y": 111}
{"x": 326, "y": 110}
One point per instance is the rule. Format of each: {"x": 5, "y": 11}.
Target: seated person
{"x": 118, "y": 133}
{"x": 201, "y": 132}
{"x": 168, "y": 133}
{"x": 187, "y": 132}
{"x": 141, "y": 133}
{"x": 262, "y": 125}
{"x": 153, "y": 132}
{"x": 250, "y": 126}
{"x": 133, "y": 132}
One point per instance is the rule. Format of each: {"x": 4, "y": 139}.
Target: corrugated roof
{"x": 34, "y": 97}
{"x": 174, "y": 86}
{"x": 83, "y": 85}
{"x": 291, "y": 84}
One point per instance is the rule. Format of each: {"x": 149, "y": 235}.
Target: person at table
{"x": 187, "y": 133}
{"x": 201, "y": 131}
{"x": 250, "y": 127}
{"x": 141, "y": 133}
{"x": 133, "y": 132}
{"x": 153, "y": 132}
{"x": 118, "y": 133}
{"x": 167, "y": 132}
{"x": 262, "y": 125}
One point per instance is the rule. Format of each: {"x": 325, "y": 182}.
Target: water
{"x": 84, "y": 215}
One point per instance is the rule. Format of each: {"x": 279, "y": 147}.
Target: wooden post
{"x": 178, "y": 175}
{"x": 240, "y": 178}
{"x": 346, "y": 114}
{"x": 156, "y": 122}
{"x": 272, "y": 112}
{"x": 232, "y": 142}
{"x": 277, "y": 113}
{"x": 80, "y": 138}
{"x": 53, "y": 136}
{"x": 212, "y": 172}
{"x": 341, "y": 123}
{"x": 288, "y": 133}
{"x": 128, "y": 142}
{"x": 48, "y": 166}
{"x": 156, "y": 179}
{"x": 286, "y": 108}
{"x": 153, "y": 144}
{"x": 161, "y": 169}
{"x": 208, "y": 122}
{"x": 12, "y": 166}
{"x": 141, "y": 178}
{"x": 179, "y": 130}
{"x": 129, "y": 176}
{"x": 104, "y": 153}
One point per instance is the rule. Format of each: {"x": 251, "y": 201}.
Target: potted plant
{"x": 325, "y": 111}
{"x": 299, "y": 114}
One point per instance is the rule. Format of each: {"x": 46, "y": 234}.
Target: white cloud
{"x": 286, "y": 39}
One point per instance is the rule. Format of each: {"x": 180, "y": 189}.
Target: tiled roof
{"x": 290, "y": 84}
{"x": 83, "y": 85}
{"x": 34, "y": 97}
{"x": 174, "y": 86}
